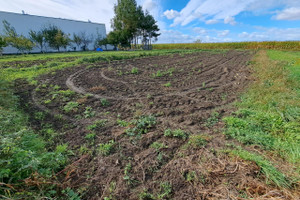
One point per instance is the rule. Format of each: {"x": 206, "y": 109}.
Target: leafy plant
{"x": 88, "y": 113}
{"x": 97, "y": 124}
{"x": 197, "y": 141}
{"x": 106, "y": 148}
{"x": 141, "y": 125}
{"x": 167, "y": 84}
{"x": 212, "y": 120}
{"x": 71, "y": 106}
{"x": 178, "y": 133}
{"x": 104, "y": 102}
{"x": 134, "y": 70}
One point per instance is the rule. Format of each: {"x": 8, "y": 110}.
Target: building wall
{"x": 23, "y": 23}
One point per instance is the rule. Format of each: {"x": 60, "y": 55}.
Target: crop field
{"x": 165, "y": 124}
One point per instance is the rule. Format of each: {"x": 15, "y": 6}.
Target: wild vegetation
{"x": 273, "y": 45}
{"x": 160, "y": 124}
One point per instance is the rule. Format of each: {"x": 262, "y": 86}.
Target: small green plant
{"x": 88, "y": 113}
{"x": 97, "y": 124}
{"x": 71, "y": 106}
{"x": 178, "y": 133}
{"x": 134, "y": 70}
{"x": 190, "y": 176}
{"x": 158, "y": 146}
{"x": 197, "y": 141}
{"x": 71, "y": 195}
{"x": 127, "y": 174}
{"x": 203, "y": 84}
{"x": 145, "y": 195}
{"x": 141, "y": 125}
{"x": 122, "y": 123}
{"x": 165, "y": 190}
{"x": 167, "y": 84}
{"x": 48, "y": 101}
{"x": 213, "y": 119}
{"x": 84, "y": 150}
{"x": 106, "y": 148}
{"x": 90, "y": 137}
{"x": 104, "y": 102}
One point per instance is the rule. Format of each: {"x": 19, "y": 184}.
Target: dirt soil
{"x": 191, "y": 92}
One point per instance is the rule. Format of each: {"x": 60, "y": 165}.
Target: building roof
{"x": 52, "y": 18}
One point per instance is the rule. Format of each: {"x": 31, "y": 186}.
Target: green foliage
{"x": 134, "y": 70}
{"x": 106, "y": 148}
{"x": 71, "y": 106}
{"x": 167, "y": 84}
{"x": 287, "y": 45}
{"x": 38, "y": 38}
{"x": 88, "y": 113}
{"x": 104, "y": 102}
{"x": 23, "y": 152}
{"x": 178, "y": 133}
{"x": 129, "y": 22}
{"x": 165, "y": 190}
{"x": 20, "y": 42}
{"x": 267, "y": 168}
{"x": 122, "y": 123}
{"x": 212, "y": 120}
{"x": 198, "y": 141}
{"x": 141, "y": 125}
{"x": 71, "y": 194}
{"x": 97, "y": 124}
{"x": 3, "y": 43}
{"x": 158, "y": 146}
{"x": 55, "y": 37}
{"x": 269, "y": 114}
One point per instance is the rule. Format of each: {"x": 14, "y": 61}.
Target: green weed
{"x": 106, "y": 148}
{"x": 178, "y": 133}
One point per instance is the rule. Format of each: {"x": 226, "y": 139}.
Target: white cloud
{"x": 289, "y": 14}
{"x": 212, "y": 11}
{"x": 171, "y": 14}
{"x": 272, "y": 34}
{"x": 230, "y": 20}
{"x": 72, "y": 9}
{"x": 211, "y": 21}
{"x": 200, "y": 30}
{"x": 223, "y": 33}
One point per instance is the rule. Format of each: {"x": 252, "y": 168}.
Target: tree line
{"x": 49, "y": 36}
{"x": 132, "y": 24}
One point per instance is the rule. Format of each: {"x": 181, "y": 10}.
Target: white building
{"x": 23, "y": 23}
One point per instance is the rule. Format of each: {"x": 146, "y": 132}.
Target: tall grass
{"x": 289, "y": 45}
{"x": 269, "y": 113}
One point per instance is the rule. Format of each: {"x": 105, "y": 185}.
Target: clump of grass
{"x": 198, "y": 141}
{"x": 141, "y": 125}
{"x": 177, "y": 133}
{"x": 106, "y": 148}
{"x": 267, "y": 168}
{"x": 134, "y": 70}
{"x": 71, "y": 106}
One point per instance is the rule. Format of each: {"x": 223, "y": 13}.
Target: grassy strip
{"x": 22, "y": 151}
{"x": 30, "y": 73}
{"x": 289, "y": 45}
{"x": 267, "y": 168}
{"x": 269, "y": 113}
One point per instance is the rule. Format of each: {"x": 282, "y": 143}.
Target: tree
{"x": 20, "y": 42}
{"x": 77, "y": 40}
{"x": 55, "y": 37}
{"x": 2, "y": 44}
{"x": 131, "y": 22}
{"x": 113, "y": 38}
{"x": 125, "y": 20}
{"x": 38, "y": 38}
{"x": 101, "y": 42}
{"x": 86, "y": 39}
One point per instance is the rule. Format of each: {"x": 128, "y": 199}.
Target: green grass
{"x": 272, "y": 174}
{"x": 22, "y": 151}
{"x": 269, "y": 113}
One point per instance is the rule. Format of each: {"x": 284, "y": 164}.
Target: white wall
{"x": 24, "y": 23}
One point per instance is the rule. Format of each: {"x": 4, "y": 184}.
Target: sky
{"x": 185, "y": 21}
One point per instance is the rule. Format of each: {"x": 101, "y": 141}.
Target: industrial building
{"x": 23, "y": 23}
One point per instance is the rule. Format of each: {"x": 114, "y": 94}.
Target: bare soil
{"x": 191, "y": 92}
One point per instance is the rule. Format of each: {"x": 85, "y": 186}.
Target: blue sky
{"x": 183, "y": 21}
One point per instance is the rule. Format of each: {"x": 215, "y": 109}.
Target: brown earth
{"x": 191, "y": 92}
